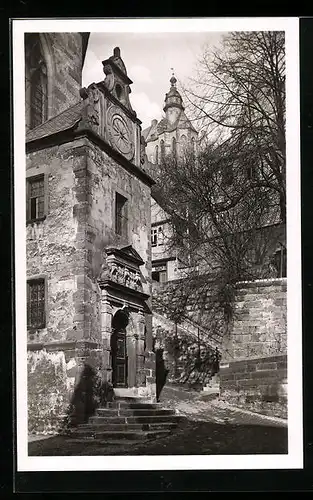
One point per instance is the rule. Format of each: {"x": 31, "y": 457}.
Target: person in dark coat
{"x": 161, "y": 373}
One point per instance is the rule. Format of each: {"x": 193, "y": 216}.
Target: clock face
{"x": 120, "y": 136}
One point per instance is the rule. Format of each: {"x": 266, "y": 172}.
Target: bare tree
{"x": 227, "y": 201}
{"x": 239, "y": 94}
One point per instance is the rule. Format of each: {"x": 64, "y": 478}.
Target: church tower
{"x": 173, "y": 105}
{"x": 171, "y": 135}
{"x": 174, "y": 132}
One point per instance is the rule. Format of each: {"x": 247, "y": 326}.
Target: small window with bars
{"x": 121, "y": 215}
{"x": 36, "y": 314}
{"x": 35, "y": 198}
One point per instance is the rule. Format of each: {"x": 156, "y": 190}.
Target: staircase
{"x": 127, "y": 420}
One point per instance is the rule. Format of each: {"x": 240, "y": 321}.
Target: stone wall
{"x": 260, "y": 321}
{"x": 254, "y": 354}
{"x": 189, "y": 353}
{"x": 258, "y": 379}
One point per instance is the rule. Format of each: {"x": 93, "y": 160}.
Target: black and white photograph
{"x": 157, "y": 244}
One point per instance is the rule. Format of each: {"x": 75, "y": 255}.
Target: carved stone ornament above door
{"x": 121, "y": 266}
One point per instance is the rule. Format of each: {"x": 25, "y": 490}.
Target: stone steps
{"x": 128, "y": 426}
{"x": 144, "y": 419}
{"x": 133, "y": 405}
{"x": 127, "y": 412}
{"x": 127, "y": 420}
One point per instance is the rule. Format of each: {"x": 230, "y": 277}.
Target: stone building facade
{"x": 88, "y": 225}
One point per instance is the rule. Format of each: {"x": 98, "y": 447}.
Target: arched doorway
{"x": 118, "y": 348}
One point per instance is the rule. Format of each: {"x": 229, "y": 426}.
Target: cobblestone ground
{"x": 211, "y": 427}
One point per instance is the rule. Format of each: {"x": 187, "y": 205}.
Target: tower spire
{"x": 173, "y": 98}
{"x": 173, "y": 80}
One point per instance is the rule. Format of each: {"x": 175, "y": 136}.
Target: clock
{"x": 120, "y": 136}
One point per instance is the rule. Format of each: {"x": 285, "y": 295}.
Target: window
{"x": 36, "y": 82}
{"x": 36, "y": 317}
{"x": 121, "y": 221}
{"x": 183, "y": 141}
{"x": 35, "y": 197}
{"x": 193, "y": 146}
{"x": 156, "y": 154}
{"x": 162, "y": 147}
{"x": 159, "y": 274}
{"x": 174, "y": 148}
{"x": 157, "y": 236}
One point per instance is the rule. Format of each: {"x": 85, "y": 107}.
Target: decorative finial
{"x": 173, "y": 79}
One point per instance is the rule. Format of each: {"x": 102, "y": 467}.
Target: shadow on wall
{"x": 89, "y": 393}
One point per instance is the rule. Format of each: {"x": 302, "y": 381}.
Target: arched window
{"x": 156, "y": 154}
{"x": 36, "y": 95}
{"x": 174, "y": 147}
{"x": 193, "y": 146}
{"x": 162, "y": 146}
{"x": 183, "y": 143}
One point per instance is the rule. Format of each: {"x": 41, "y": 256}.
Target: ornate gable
{"x": 116, "y": 80}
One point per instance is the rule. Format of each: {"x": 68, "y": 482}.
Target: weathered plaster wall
{"x": 56, "y": 245}
{"x": 105, "y": 177}
{"x": 48, "y": 393}
{"x": 56, "y": 250}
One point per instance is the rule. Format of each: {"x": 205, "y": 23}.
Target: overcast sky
{"x": 149, "y": 58}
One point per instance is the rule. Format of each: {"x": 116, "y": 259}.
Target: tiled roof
{"x": 63, "y": 121}
{"x": 146, "y": 132}
{"x": 164, "y": 125}
{"x": 184, "y": 122}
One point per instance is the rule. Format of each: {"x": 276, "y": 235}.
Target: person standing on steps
{"x": 161, "y": 373}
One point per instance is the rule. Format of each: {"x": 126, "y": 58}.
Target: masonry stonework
{"x": 260, "y": 325}
{"x": 254, "y": 360}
